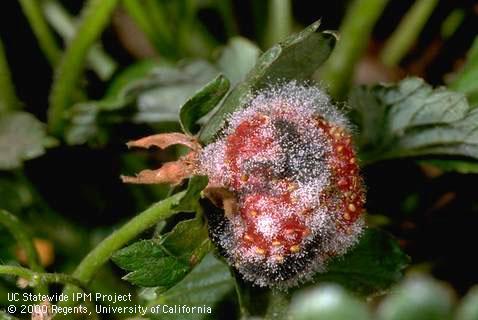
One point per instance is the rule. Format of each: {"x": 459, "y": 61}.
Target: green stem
{"x": 407, "y": 32}
{"x": 253, "y": 301}
{"x": 40, "y": 277}
{"x": 102, "y": 253}
{"x": 95, "y": 16}
{"x": 165, "y": 34}
{"x": 452, "y": 22}
{"x": 63, "y": 23}
{"x": 46, "y": 39}
{"x": 187, "y": 12}
{"x": 465, "y": 80}
{"x": 137, "y": 11}
{"x": 354, "y": 35}
{"x": 54, "y": 226}
{"x": 279, "y": 22}
{"x": 158, "y": 15}
{"x": 240, "y": 299}
{"x": 89, "y": 266}
{"x": 227, "y": 13}
{"x": 193, "y": 40}
{"x": 8, "y": 98}
{"x": 18, "y": 231}
{"x": 259, "y": 23}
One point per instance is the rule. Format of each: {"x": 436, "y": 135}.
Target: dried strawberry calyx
{"x": 173, "y": 172}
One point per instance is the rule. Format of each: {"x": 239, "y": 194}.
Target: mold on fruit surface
{"x": 284, "y": 171}
{"x": 288, "y": 159}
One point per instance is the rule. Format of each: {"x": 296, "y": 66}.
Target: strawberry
{"x": 286, "y": 174}
{"x": 288, "y": 158}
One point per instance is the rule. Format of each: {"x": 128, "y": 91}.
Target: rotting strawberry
{"x": 285, "y": 171}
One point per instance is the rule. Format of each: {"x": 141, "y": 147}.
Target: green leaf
{"x": 418, "y": 298}
{"x": 6, "y": 316}
{"x": 257, "y": 301}
{"x": 188, "y": 202}
{"x": 184, "y": 239}
{"x": 465, "y": 81}
{"x": 7, "y": 250}
{"x": 137, "y": 71}
{"x": 296, "y": 58}
{"x": 411, "y": 118}
{"x": 201, "y": 103}
{"x": 372, "y": 266}
{"x": 150, "y": 92}
{"x": 468, "y": 308}
{"x": 164, "y": 273}
{"x": 22, "y": 137}
{"x": 329, "y": 302}
{"x": 238, "y": 58}
{"x": 278, "y": 306}
{"x": 138, "y": 254}
{"x": 163, "y": 262}
{"x": 16, "y": 196}
{"x": 145, "y": 93}
{"x": 206, "y": 286}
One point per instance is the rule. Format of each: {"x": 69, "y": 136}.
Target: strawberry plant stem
{"x": 40, "y": 277}
{"x": 89, "y": 266}
{"x": 101, "y": 254}
{"x": 225, "y": 7}
{"x": 355, "y": 31}
{"x": 18, "y": 231}
{"x": 95, "y": 16}
{"x": 46, "y": 39}
{"x": 137, "y": 11}
{"x": 65, "y": 25}
{"x": 407, "y": 32}
{"x": 279, "y": 21}
{"x": 8, "y": 99}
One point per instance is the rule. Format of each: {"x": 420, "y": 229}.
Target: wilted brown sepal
{"x": 171, "y": 172}
{"x": 164, "y": 140}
